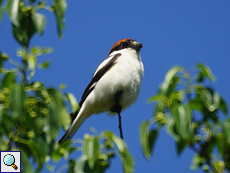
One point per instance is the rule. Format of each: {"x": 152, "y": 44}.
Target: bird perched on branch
{"x": 115, "y": 85}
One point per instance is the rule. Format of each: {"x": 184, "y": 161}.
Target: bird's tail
{"x": 80, "y": 118}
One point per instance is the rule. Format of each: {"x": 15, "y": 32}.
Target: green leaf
{"x": 160, "y": 108}
{"x": 39, "y": 120}
{"x": 183, "y": 118}
{"x": 170, "y": 81}
{"x": 159, "y": 97}
{"x": 170, "y": 124}
{"x": 171, "y": 73}
{"x": 172, "y": 85}
{"x": 219, "y": 166}
{"x": 35, "y": 150}
{"x": 80, "y": 164}
{"x": 147, "y": 139}
{"x": 57, "y": 114}
{"x": 71, "y": 166}
{"x": 210, "y": 99}
{"x": 26, "y": 166}
{"x": 180, "y": 146}
{"x": 61, "y": 115}
{"x": 221, "y": 144}
{"x": 17, "y": 100}
{"x": 62, "y": 86}
{"x": 38, "y": 51}
{"x": 50, "y": 168}
{"x": 73, "y": 102}
{"x": 205, "y": 71}
{"x": 52, "y": 122}
{"x": 197, "y": 161}
{"x": 1, "y": 111}
{"x": 56, "y": 155}
{"x": 44, "y": 65}
{"x": 144, "y": 139}
{"x": 32, "y": 60}
{"x": 116, "y": 140}
{"x": 47, "y": 50}
{"x": 12, "y": 8}
{"x": 24, "y": 31}
{"x": 72, "y": 149}
{"x": 62, "y": 150}
{"x": 3, "y": 57}
{"x": 196, "y": 104}
{"x": 59, "y": 10}
{"x": 223, "y": 106}
{"x": 178, "y": 95}
{"x": 91, "y": 150}
{"x": 7, "y": 124}
{"x": 8, "y": 80}
{"x": 161, "y": 118}
{"x": 37, "y": 153}
{"x": 126, "y": 158}
{"x": 226, "y": 127}
{"x": 152, "y": 138}
{"x": 208, "y": 146}
{"x": 39, "y": 21}
{"x": 127, "y": 161}
{"x": 1, "y": 13}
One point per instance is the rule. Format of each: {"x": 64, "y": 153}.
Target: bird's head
{"x": 125, "y": 44}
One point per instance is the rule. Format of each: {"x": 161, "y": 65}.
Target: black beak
{"x": 138, "y": 46}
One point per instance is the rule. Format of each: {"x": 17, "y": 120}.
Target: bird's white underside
{"x": 126, "y": 76}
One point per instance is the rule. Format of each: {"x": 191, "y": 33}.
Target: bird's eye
{"x": 124, "y": 44}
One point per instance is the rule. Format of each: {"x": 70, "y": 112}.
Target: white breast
{"x": 126, "y": 76}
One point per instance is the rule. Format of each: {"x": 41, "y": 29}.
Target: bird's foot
{"x": 116, "y": 109}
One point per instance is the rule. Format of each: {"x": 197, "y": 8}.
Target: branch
{"x": 120, "y": 126}
{"x": 226, "y": 157}
{"x": 203, "y": 154}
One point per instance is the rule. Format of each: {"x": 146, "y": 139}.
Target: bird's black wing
{"x": 95, "y": 79}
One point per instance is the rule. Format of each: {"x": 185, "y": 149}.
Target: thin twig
{"x": 63, "y": 167}
{"x": 193, "y": 148}
{"x": 207, "y": 158}
{"x": 13, "y": 62}
{"x": 189, "y": 91}
{"x": 120, "y": 126}
{"x": 226, "y": 157}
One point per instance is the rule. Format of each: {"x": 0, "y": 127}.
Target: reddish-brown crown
{"x": 118, "y": 43}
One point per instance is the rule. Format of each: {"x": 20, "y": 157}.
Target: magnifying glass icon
{"x": 9, "y": 160}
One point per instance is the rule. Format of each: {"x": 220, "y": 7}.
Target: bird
{"x": 115, "y": 85}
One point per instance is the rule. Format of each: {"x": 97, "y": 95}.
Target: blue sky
{"x": 173, "y": 33}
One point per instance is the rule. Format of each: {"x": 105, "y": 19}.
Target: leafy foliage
{"x": 31, "y": 114}
{"x": 96, "y": 157}
{"x": 28, "y": 120}
{"x": 190, "y": 112}
{"x": 59, "y": 8}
